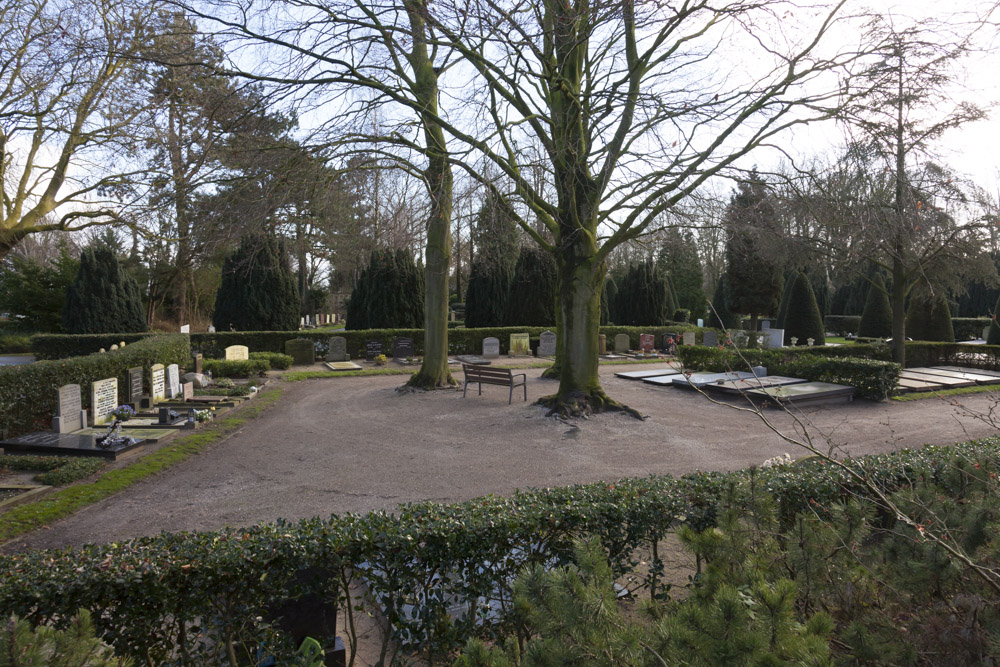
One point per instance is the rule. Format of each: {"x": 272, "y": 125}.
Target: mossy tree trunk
{"x": 438, "y": 180}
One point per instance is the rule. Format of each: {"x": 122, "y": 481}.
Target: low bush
{"x": 15, "y": 344}
{"x": 871, "y": 378}
{"x": 207, "y": 593}
{"x": 72, "y": 646}
{"x": 236, "y": 369}
{"x": 54, "y": 470}
{"x": 276, "y": 360}
{"x": 61, "y": 346}
{"x": 28, "y": 393}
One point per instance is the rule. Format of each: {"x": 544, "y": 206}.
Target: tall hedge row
{"x": 186, "y": 598}
{"x": 28, "y": 392}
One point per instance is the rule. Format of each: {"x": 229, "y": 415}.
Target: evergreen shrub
{"x": 876, "y": 318}
{"x": 28, "y": 393}
{"x": 61, "y": 346}
{"x": 994, "y": 336}
{"x": 644, "y": 297}
{"x": 719, "y": 315}
{"x": 258, "y": 289}
{"x": 248, "y": 368}
{"x": 389, "y": 293}
{"x": 532, "y": 298}
{"x": 486, "y": 295}
{"x": 276, "y": 360}
{"x": 929, "y": 319}
{"x": 72, "y": 646}
{"x": 104, "y": 297}
{"x": 969, "y": 328}
{"x": 802, "y": 318}
{"x": 842, "y": 325}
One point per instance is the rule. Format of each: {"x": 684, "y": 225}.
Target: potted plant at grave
{"x": 381, "y": 360}
{"x": 123, "y": 413}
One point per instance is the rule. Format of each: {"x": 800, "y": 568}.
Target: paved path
{"x": 354, "y": 445}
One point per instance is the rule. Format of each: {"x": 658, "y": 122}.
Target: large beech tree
{"x": 617, "y": 104}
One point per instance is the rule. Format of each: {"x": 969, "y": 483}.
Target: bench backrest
{"x": 486, "y": 372}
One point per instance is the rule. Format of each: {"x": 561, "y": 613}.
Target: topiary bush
{"x": 258, "y": 289}
{"x": 929, "y": 318}
{"x": 389, "y": 293}
{"x": 532, "y": 299}
{"x": 876, "y": 319}
{"x": 104, "y": 297}
{"x": 802, "y": 317}
{"x": 276, "y": 360}
{"x": 842, "y": 325}
{"x": 719, "y": 315}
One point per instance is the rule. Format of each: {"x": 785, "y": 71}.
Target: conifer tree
{"x": 608, "y": 294}
{"x": 929, "y": 318}
{"x": 719, "y": 316}
{"x": 876, "y": 319}
{"x": 993, "y": 338}
{"x": 783, "y": 308}
{"x": 486, "y": 296}
{"x": 258, "y": 291}
{"x": 644, "y": 297}
{"x": 104, "y": 298}
{"x": 802, "y": 320}
{"x": 679, "y": 262}
{"x": 75, "y": 646}
{"x": 532, "y": 298}
{"x": 389, "y": 293}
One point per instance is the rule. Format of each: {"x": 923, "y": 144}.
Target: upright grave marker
{"x": 491, "y": 348}
{"x": 622, "y": 343}
{"x": 103, "y": 400}
{"x": 70, "y": 415}
{"x": 237, "y": 353}
{"x": 547, "y": 344}
{"x": 198, "y": 363}
{"x": 646, "y": 343}
{"x": 402, "y": 347}
{"x": 135, "y": 385}
{"x": 301, "y": 350}
{"x": 157, "y": 384}
{"x": 520, "y": 345}
{"x": 186, "y": 328}
{"x": 602, "y": 344}
{"x": 337, "y": 350}
{"x": 689, "y": 338}
{"x": 173, "y": 387}
{"x": 373, "y": 348}
{"x": 710, "y": 339}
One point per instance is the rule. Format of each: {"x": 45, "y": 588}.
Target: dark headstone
{"x": 402, "y": 347}
{"x": 302, "y": 351}
{"x": 373, "y": 348}
{"x": 198, "y": 363}
{"x": 710, "y": 339}
{"x": 167, "y": 417}
{"x": 63, "y": 444}
{"x": 134, "y": 385}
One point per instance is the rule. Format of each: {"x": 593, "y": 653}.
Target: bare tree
{"x": 68, "y": 102}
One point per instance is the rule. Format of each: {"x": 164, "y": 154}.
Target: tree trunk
{"x": 433, "y": 371}
{"x": 898, "y": 310}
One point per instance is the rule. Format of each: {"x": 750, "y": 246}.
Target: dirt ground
{"x": 355, "y": 444}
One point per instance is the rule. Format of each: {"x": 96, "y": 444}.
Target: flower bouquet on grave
{"x": 123, "y": 413}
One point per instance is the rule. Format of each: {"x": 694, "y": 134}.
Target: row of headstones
{"x": 164, "y": 383}
{"x": 318, "y": 320}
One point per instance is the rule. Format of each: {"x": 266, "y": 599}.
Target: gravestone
{"x": 701, "y": 323}
{"x": 491, "y": 348}
{"x": 689, "y": 338}
{"x": 520, "y": 345}
{"x": 65, "y": 444}
{"x": 602, "y": 344}
{"x": 168, "y": 417}
{"x": 237, "y": 353}
{"x": 338, "y": 349}
{"x": 198, "y": 363}
{"x": 646, "y": 342}
{"x": 402, "y": 347}
{"x": 187, "y": 391}
{"x": 774, "y": 337}
{"x": 765, "y": 325}
{"x": 186, "y": 328}
{"x": 211, "y": 329}
{"x": 668, "y": 341}
{"x": 710, "y": 339}
{"x": 986, "y": 332}
{"x": 70, "y": 415}
{"x": 373, "y": 348}
{"x": 157, "y": 384}
{"x": 173, "y": 381}
{"x": 547, "y": 344}
{"x": 302, "y": 322}
{"x": 301, "y": 350}
{"x": 621, "y": 343}
{"x": 103, "y": 400}
{"x": 135, "y": 385}
{"x": 317, "y": 321}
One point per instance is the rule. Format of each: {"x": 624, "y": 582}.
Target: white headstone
{"x": 157, "y": 383}
{"x": 186, "y": 328}
{"x": 774, "y": 338}
{"x": 689, "y": 338}
{"x": 103, "y": 400}
{"x": 173, "y": 381}
{"x": 491, "y": 348}
{"x": 302, "y": 322}
{"x": 237, "y": 353}
{"x": 765, "y": 325}
{"x": 701, "y": 322}
{"x": 622, "y": 343}
{"x": 70, "y": 415}
{"x": 211, "y": 329}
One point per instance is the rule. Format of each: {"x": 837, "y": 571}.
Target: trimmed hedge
{"x": 61, "y": 346}
{"x": 248, "y": 368}
{"x": 842, "y": 324}
{"x": 870, "y": 378}
{"x": 192, "y": 595}
{"x": 969, "y": 328}
{"x": 275, "y": 359}
{"x": 28, "y": 393}
{"x": 14, "y": 344}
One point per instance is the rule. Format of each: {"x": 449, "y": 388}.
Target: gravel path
{"x": 354, "y": 445}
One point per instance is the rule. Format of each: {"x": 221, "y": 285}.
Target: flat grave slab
{"x": 939, "y": 379}
{"x": 342, "y": 366}
{"x": 806, "y": 393}
{"x": 473, "y": 360}
{"x": 654, "y": 372}
{"x": 613, "y": 357}
{"x": 149, "y": 423}
{"x": 904, "y": 385}
{"x": 64, "y": 444}
{"x": 743, "y": 386}
{"x": 142, "y": 433}
{"x": 980, "y": 371}
{"x": 699, "y": 380}
{"x": 970, "y": 374}
{"x": 661, "y": 380}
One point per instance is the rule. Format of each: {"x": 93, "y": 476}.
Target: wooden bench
{"x": 490, "y": 375}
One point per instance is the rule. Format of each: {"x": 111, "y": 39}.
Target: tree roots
{"x": 427, "y": 382}
{"x": 584, "y": 404}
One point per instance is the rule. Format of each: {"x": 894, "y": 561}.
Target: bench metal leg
{"x": 510, "y": 399}
{"x": 525, "y": 385}
{"x": 465, "y": 389}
